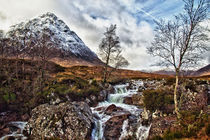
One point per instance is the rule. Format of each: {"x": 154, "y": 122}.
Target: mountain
{"x": 49, "y": 29}
{"x": 165, "y": 72}
{"x": 205, "y": 71}
{"x": 170, "y": 72}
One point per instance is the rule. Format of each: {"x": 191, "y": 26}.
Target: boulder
{"x": 112, "y": 109}
{"x": 64, "y": 121}
{"x": 114, "y": 125}
{"x": 128, "y": 100}
{"x": 102, "y": 95}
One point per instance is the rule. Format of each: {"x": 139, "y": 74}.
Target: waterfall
{"x": 124, "y": 130}
{"x": 143, "y": 132}
{"x": 17, "y": 135}
{"x": 117, "y": 98}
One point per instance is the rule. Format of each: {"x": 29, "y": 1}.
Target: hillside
{"x": 202, "y": 72}
{"x": 54, "y": 37}
{"x": 205, "y": 71}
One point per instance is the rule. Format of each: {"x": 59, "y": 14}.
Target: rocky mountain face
{"x": 51, "y": 32}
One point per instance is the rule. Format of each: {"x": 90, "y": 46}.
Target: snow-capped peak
{"x": 60, "y": 34}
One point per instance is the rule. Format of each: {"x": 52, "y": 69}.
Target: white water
{"x": 16, "y": 135}
{"x": 124, "y": 130}
{"x": 117, "y": 99}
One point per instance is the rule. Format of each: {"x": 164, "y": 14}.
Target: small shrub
{"x": 191, "y": 85}
{"x": 170, "y": 81}
{"x": 158, "y": 99}
{"x": 6, "y": 97}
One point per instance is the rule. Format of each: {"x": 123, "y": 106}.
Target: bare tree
{"x": 44, "y": 50}
{"x": 110, "y": 51}
{"x": 16, "y": 46}
{"x": 180, "y": 43}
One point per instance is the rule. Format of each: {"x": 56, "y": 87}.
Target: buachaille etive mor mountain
{"x": 72, "y": 48}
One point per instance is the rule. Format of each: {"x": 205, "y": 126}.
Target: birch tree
{"x": 181, "y": 42}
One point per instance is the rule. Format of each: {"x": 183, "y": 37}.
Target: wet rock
{"x": 102, "y": 95}
{"x": 108, "y": 88}
{"x": 141, "y": 88}
{"x": 128, "y": 100}
{"x": 93, "y": 99}
{"x": 114, "y": 125}
{"x": 65, "y": 121}
{"x": 25, "y": 117}
{"x": 131, "y": 85}
{"x": 111, "y": 109}
{"x": 88, "y": 101}
{"x": 100, "y": 108}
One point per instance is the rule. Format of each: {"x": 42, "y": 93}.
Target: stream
{"x": 117, "y": 99}
{"x": 17, "y": 131}
{"x": 131, "y": 126}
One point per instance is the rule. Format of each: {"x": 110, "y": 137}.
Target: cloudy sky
{"x": 89, "y": 19}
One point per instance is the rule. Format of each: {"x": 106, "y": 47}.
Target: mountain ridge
{"x": 66, "y": 41}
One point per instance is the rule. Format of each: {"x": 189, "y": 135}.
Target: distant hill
{"x": 205, "y": 71}
{"x": 62, "y": 44}
{"x": 170, "y": 72}
{"x": 165, "y": 72}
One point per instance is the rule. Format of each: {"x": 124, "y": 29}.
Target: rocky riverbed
{"x": 119, "y": 114}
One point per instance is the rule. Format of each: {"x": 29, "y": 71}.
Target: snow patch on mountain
{"x": 60, "y": 34}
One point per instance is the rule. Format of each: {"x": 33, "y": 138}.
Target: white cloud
{"x": 16, "y": 11}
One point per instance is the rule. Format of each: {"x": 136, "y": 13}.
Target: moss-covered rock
{"x": 64, "y": 121}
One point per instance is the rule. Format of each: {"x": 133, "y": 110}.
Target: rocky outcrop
{"x": 161, "y": 124}
{"x": 195, "y": 100}
{"x": 65, "y": 121}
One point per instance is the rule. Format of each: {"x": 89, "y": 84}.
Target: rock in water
{"x": 65, "y": 121}
{"x": 114, "y": 125}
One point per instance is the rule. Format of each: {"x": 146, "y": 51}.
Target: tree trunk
{"x": 175, "y": 96}
{"x": 16, "y": 67}
{"x": 105, "y": 74}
